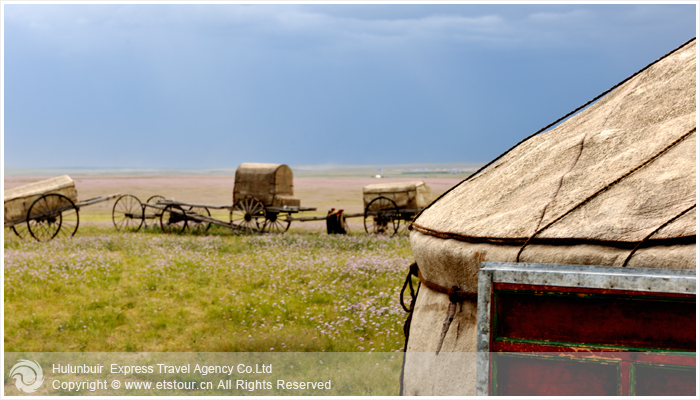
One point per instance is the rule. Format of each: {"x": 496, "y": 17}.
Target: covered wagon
{"x": 262, "y": 195}
{"x": 271, "y": 184}
{"x": 45, "y": 209}
{"x": 389, "y": 207}
{"x": 571, "y": 257}
{"x": 263, "y": 200}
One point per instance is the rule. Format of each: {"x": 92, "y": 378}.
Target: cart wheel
{"x": 248, "y": 215}
{"x": 152, "y": 213}
{"x": 155, "y": 199}
{"x": 275, "y": 224}
{"x": 52, "y": 215}
{"x": 20, "y": 230}
{"x": 127, "y": 213}
{"x": 404, "y": 223}
{"x": 173, "y": 219}
{"x": 195, "y": 226}
{"x": 381, "y": 216}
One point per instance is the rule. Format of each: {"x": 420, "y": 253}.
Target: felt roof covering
{"x": 620, "y": 174}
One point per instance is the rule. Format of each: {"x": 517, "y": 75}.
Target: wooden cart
{"x": 46, "y": 209}
{"x": 263, "y": 201}
{"x": 390, "y": 207}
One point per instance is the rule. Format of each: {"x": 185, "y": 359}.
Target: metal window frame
{"x": 564, "y": 275}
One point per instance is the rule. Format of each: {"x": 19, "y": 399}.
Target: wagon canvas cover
{"x": 614, "y": 185}
{"x": 19, "y": 199}
{"x": 272, "y": 184}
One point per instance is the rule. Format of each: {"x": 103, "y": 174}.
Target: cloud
{"x": 573, "y": 16}
{"x": 77, "y": 26}
{"x": 87, "y": 27}
{"x": 151, "y": 73}
{"x": 342, "y": 30}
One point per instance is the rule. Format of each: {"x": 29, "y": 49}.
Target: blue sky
{"x": 211, "y": 86}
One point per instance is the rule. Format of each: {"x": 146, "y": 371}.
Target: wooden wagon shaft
{"x": 320, "y": 217}
{"x": 402, "y": 213}
{"x": 205, "y": 218}
{"x": 288, "y": 209}
{"x": 141, "y": 216}
{"x": 386, "y": 213}
{"x": 351, "y": 215}
{"x": 96, "y": 200}
{"x": 191, "y": 215}
{"x": 156, "y": 206}
{"x": 354, "y": 215}
{"x": 177, "y": 203}
{"x": 275, "y": 209}
{"x": 302, "y": 219}
{"x": 144, "y": 215}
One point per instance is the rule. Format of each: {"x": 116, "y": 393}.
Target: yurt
{"x": 613, "y": 185}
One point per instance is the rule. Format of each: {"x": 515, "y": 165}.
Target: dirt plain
{"x": 323, "y": 193}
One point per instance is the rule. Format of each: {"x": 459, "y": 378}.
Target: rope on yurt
{"x": 604, "y": 188}
{"x": 455, "y": 294}
{"x": 412, "y": 271}
{"x": 593, "y": 100}
{"x": 654, "y": 232}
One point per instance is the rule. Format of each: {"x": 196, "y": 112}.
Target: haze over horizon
{"x": 319, "y": 170}
{"x": 193, "y": 86}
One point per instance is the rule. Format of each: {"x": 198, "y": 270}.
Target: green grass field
{"x": 147, "y": 291}
{"x": 151, "y": 296}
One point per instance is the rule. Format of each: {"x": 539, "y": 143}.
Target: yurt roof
{"x": 618, "y": 173}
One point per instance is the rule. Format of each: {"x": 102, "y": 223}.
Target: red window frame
{"x": 576, "y": 335}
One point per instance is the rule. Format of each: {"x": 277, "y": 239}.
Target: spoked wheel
{"x": 381, "y": 216}
{"x": 155, "y": 199}
{"x": 195, "y": 226}
{"x": 152, "y": 215}
{"x": 20, "y": 230}
{"x": 127, "y": 213}
{"x": 275, "y": 224}
{"x": 248, "y": 215}
{"x": 404, "y": 223}
{"x": 173, "y": 219}
{"x": 52, "y": 215}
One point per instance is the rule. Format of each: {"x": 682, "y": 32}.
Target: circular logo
{"x": 28, "y": 376}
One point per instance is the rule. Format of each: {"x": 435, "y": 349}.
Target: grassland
{"x": 146, "y": 291}
{"x": 302, "y": 292}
